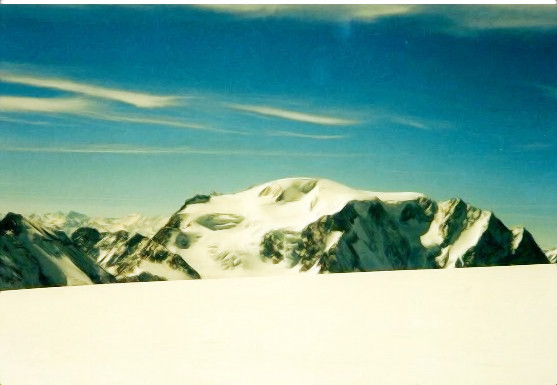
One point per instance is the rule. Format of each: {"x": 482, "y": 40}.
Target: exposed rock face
{"x": 374, "y": 235}
{"x": 132, "y": 257}
{"x": 367, "y": 236}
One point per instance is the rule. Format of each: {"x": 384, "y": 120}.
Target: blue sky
{"x": 109, "y": 110}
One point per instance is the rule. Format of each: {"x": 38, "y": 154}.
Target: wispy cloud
{"x": 83, "y": 107}
{"x": 504, "y": 17}
{"x": 389, "y": 117}
{"x": 95, "y": 149}
{"x": 292, "y": 115}
{"x": 23, "y": 121}
{"x": 312, "y": 12}
{"x": 159, "y": 122}
{"x": 126, "y": 149}
{"x": 306, "y": 136}
{"x": 144, "y": 120}
{"x": 410, "y": 122}
{"x": 138, "y": 99}
{"x": 44, "y": 105}
{"x": 450, "y": 19}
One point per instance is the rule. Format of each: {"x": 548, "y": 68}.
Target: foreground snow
{"x": 491, "y": 326}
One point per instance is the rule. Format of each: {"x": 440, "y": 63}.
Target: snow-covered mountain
{"x": 301, "y": 224}
{"x": 286, "y": 226}
{"x": 33, "y": 256}
{"x": 69, "y": 222}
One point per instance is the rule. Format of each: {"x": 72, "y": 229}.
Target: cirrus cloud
{"x": 292, "y": 115}
{"x": 452, "y": 19}
{"x": 137, "y": 99}
{"x": 306, "y": 136}
{"x": 158, "y": 121}
{"x": 130, "y": 149}
{"x": 44, "y": 105}
{"x": 313, "y": 12}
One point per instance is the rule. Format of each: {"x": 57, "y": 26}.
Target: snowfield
{"x": 492, "y": 326}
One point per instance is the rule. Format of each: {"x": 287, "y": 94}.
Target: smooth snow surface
{"x": 493, "y": 326}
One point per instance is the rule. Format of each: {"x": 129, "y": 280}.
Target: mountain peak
{"x": 77, "y": 215}
{"x": 13, "y": 222}
{"x": 13, "y": 217}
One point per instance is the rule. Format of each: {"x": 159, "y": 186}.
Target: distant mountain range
{"x": 69, "y": 222}
{"x": 287, "y": 226}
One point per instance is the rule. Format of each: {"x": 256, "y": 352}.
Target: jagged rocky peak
{"x": 16, "y": 224}
{"x": 11, "y": 222}
{"x": 524, "y": 248}
{"x": 86, "y": 237}
{"x": 33, "y": 256}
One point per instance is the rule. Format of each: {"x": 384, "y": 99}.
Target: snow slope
{"x": 435, "y": 327}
